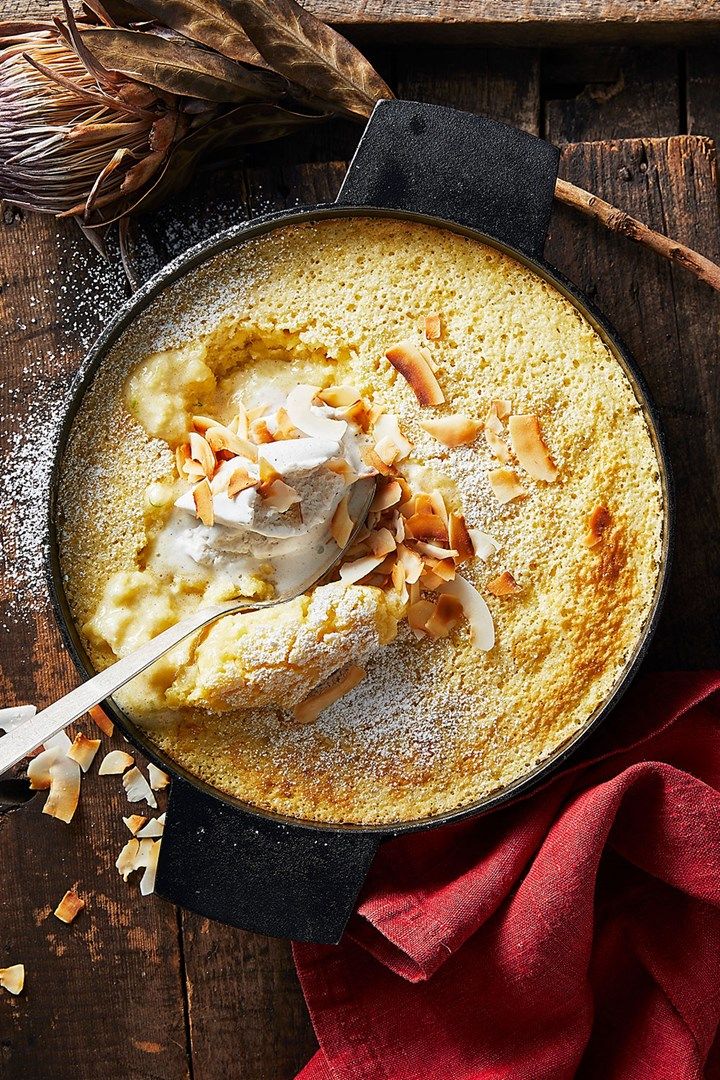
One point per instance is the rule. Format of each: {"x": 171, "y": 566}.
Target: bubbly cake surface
{"x": 435, "y": 725}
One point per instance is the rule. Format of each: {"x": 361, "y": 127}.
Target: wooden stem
{"x": 620, "y": 222}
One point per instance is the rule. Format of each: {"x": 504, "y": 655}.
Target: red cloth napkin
{"x": 573, "y": 934}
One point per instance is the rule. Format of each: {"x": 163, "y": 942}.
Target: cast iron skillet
{"x": 231, "y": 861}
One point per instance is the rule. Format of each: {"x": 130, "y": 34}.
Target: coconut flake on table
{"x": 137, "y": 788}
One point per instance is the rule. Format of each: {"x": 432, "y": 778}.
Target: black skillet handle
{"x": 457, "y": 166}
{"x": 259, "y": 874}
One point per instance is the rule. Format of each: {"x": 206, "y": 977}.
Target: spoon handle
{"x": 17, "y": 744}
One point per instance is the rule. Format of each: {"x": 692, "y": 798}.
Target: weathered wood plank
{"x": 610, "y": 94}
{"x": 504, "y": 84}
{"x": 669, "y": 321}
{"x": 103, "y": 996}
{"x": 703, "y": 92}
{"x": 497, "y": 22}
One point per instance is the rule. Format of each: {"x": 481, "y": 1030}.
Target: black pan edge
{"x": 225, "y": 240}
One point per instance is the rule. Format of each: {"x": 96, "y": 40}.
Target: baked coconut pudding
{"x": 499, "y": 586}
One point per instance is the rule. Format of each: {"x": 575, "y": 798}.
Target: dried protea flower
{"x": 76, "y": 138}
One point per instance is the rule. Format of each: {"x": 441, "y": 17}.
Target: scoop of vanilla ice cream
{"x": 247, "y": 530}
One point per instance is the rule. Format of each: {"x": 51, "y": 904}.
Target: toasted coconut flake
{"x": 497, "y": 445}
{"x": 268, "y": 474}
{"x": 437, "y": 502}
{"x": 388, "y": 494}
{"x": 435, "y": 551}
{"x": 530, "y": 449}
{"x": 149, "y": 853}
{"x": 338, "y": 397}
{"x": 501, "y": 407}
{"x": 398, "y": 580}
{"x": 342, "y": 524}
{"x": 460, "y": 538}
{"x": 60, "y": 741}
{"x": 114, "y": 763}
{"x": 503, "y": 585}
{"x": 359, "y": 414}
{"x": 154, "y": 828}
{"x": 342, "y": 468}
{"x": 12, "y": 978}
{"x": 127, "y": 860}
{"x": 430, "y": 582}
{"x": 15, "y": 716}
{"x": 201, "y": 451}
{"x": 443, "y": 569}
{"x": 158, "y": 778}
{"x": 311, "y": 422}
{"x": 284, "y": 429}
{"x": 447, "y": 613}
{"x": 69, "y": 907}
{"x": 137, "y": 787}
{"x": 202, "y": 423}
{"x": 387, "y": 433}
{"x": 412, "y": 562}
{"x": 398, "y": 524}
{"x": 101, "y": 720}
{"x": 454, "y": 430}
{"x": 135, "y": 823}
{"x": 413, "y": 366}
{"x": 418, "y": 614}
{"x": 64, "y": 796}
{"x": 202, "y": 497}
{"x": 38, "y": 772}
{"x": 382, "y": 542}
{"x": 309, "y": 709}
{"x": 260, "y": 433}
{"x": 482, "y": 629}
{"x": 483, "y": 545}
{"x": 426, "y": 527}
{"x": 220, "y": 438}
{"x": 433, "y": 327}
{"x": 280, "y": 496}
{"x": 235, "y": 480}
{"x": 374, "y": 461}
{"x": 506, "y": 486}
{"x": 352, "y": 572}
{"x": 239, "y": 422}
{"x": 83, "y": 750}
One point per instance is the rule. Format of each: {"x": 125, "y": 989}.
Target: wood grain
{"x": 534, "y": 22}
{"x": 664, "y": 315}
{"x": 610, "y": 94}
{"x": 703, "y": 92}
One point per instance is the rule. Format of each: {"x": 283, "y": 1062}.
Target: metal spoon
{"x": 17, "y": 744}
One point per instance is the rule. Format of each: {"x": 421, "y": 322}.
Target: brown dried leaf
{"x": 206, "y": 21}
{"x": 313, "y": 55}
{"x": 182, "y": 69}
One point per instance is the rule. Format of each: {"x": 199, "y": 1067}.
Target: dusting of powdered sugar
{"x": 80, "y": 298}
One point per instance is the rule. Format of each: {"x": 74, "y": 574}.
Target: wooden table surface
{"x": 135, "y": 988}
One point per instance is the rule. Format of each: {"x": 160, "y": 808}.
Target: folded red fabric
{"x": 575, "y": 933}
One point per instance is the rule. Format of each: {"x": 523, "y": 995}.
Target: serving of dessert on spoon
{"x": 21, "y": 741}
